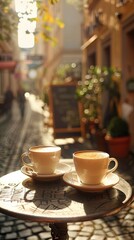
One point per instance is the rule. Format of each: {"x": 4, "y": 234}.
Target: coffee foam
{"x": 91, "y": 155}
{"x": 45, "y": 149}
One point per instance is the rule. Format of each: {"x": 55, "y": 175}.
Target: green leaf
{"x": 53, "y": 1}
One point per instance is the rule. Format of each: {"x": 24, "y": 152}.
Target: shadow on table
{"x": 45, "y": 200}
{"x": 99, "y": 204}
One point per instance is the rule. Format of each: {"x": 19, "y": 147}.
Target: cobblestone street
{"x": 16, "y": 136}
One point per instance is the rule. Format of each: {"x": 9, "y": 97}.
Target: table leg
{"x": 59, "y": 231}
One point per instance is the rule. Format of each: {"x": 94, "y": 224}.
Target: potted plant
{"x": 118, "y": 137}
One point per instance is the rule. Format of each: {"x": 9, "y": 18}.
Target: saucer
{"x": 72, "y": 179}
{"x": 60, "y": 170}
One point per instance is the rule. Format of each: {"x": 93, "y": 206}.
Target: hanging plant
{"x": 90, "y": 91}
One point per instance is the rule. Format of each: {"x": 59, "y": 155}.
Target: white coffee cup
{"x": 42, "y": 159}
{"x": 93, "y": 166}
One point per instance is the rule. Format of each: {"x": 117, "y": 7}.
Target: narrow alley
{"x": 16, "y": 136}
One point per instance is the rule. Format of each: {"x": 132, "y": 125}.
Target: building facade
{"x": 7, "y": 68}
{"x": 9, "y": 52}
{"x": 108, "y": 40}
{"x": 67, "y": 50}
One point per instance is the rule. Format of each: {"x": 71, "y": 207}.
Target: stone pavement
{"x": 16, "y": 136}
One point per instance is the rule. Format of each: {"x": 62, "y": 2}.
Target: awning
{"x": 7, "y": 64}
{"x": 90, "y": 40}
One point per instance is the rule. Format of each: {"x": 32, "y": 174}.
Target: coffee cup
{"x": 93, "y": 166}
{"x": 42, "y": 159}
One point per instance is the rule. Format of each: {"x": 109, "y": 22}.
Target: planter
{"x": 118, "y": 147}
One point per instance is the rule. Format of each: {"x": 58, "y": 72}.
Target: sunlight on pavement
{"x": 36, "y": 104}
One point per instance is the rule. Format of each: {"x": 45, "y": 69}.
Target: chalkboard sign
{"x": 65, "y": 111}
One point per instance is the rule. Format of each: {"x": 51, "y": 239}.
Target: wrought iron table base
{"x": 59, "y": 231}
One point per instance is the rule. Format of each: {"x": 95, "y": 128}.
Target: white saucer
{"x": 72, "y": 179}
{"x": 61, "y": 169}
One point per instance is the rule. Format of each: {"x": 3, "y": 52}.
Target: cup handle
{"x": 115, "y": 166}
{"x": 23, "y": 156}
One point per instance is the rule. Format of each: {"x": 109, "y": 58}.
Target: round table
{"x": 57, "y": 203}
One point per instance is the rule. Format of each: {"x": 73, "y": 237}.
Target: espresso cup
{"x": 42, "y": 159}
{"x": 93, "y": 166}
